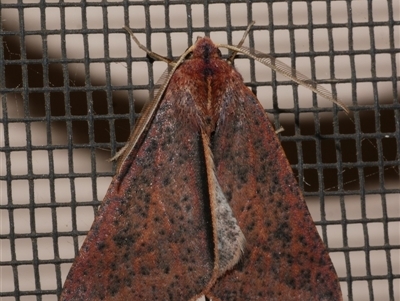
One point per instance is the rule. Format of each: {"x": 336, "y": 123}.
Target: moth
{"x": 204, "y": 201}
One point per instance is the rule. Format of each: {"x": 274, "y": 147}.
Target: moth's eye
{"x": 189, "y": 55}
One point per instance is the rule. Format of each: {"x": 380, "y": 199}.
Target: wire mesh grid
{"x": 72, "y": 81}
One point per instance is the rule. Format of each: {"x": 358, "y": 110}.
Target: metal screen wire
{"x": 72, "y": 84}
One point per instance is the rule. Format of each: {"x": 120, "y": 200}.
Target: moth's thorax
{"x": 211, "y": 79}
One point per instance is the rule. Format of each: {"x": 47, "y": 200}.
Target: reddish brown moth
{"x": 204, "y": 201}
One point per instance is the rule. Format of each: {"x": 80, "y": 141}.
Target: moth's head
{"x": 205, "y": 49}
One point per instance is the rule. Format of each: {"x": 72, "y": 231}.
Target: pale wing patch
{"x": 230, "y": 239}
